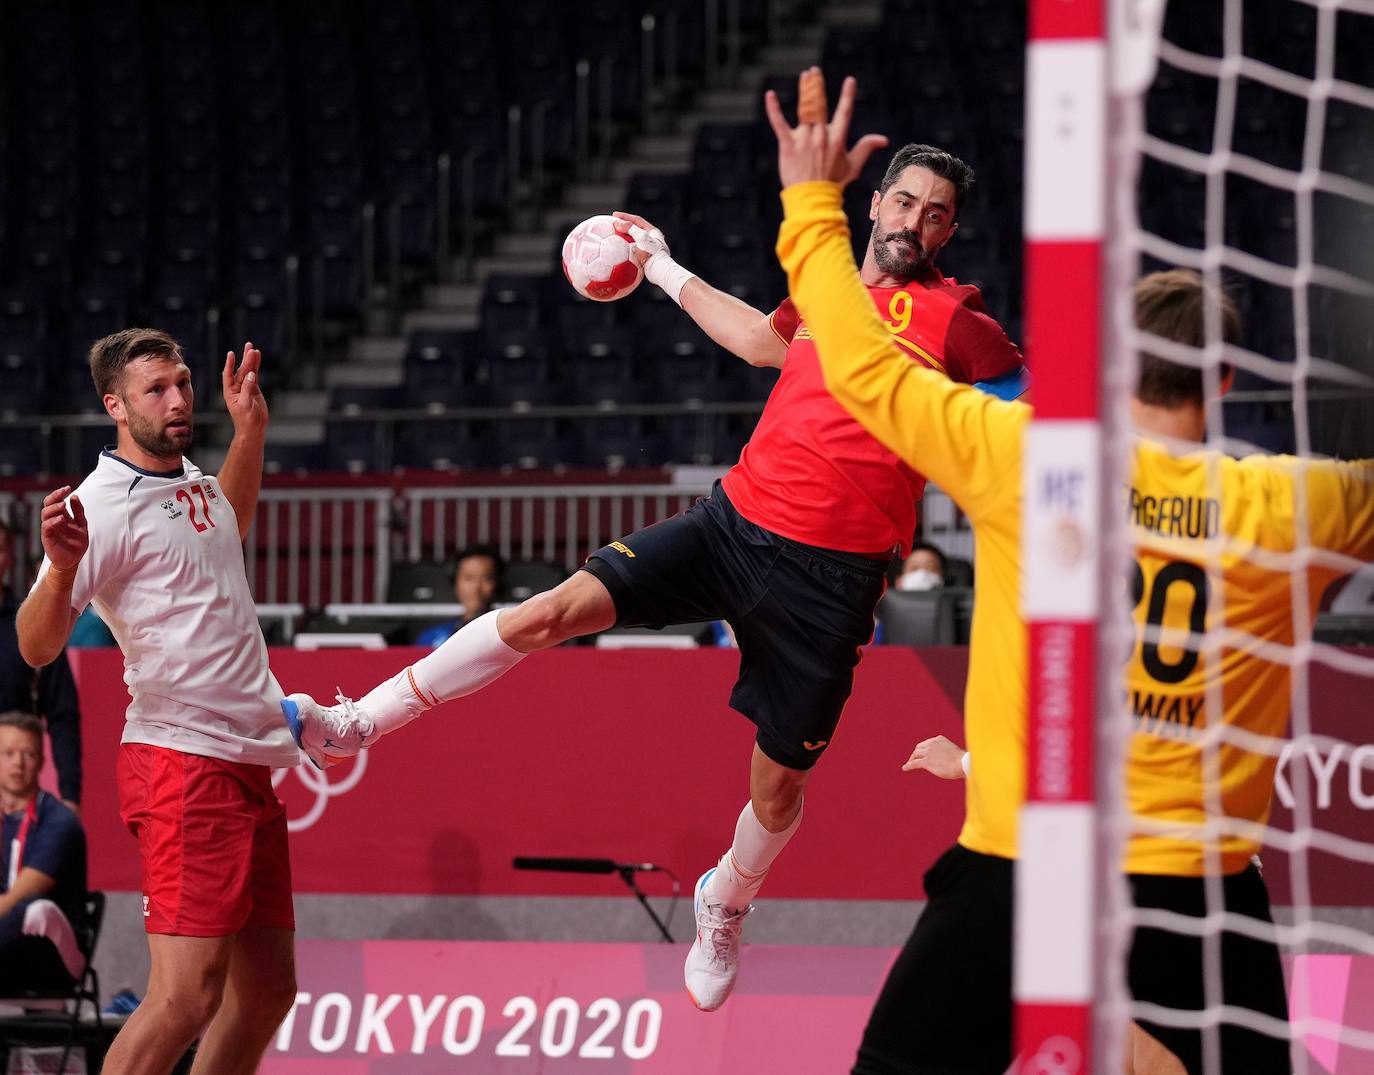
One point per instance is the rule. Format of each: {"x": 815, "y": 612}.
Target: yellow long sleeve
{"x": 965, "y": 441}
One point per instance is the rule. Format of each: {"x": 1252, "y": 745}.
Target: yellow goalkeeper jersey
{"x": 1222, "y": 580}
{"x": 970, "y": 444}
{"x": 965, "y": 441}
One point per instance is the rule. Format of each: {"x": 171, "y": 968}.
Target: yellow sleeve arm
{"x": 963, "y": 440}
{"x": 1340, "y": 506}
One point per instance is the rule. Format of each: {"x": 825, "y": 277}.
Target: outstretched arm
{"x": 45, "y": 619}
{"x": 241, "y": 475}
{"x": 742, "y": 330}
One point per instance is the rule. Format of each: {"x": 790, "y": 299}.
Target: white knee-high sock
{"x": 467, "y": 662}
{"x": 742, "y": 869}
{"x": 43, "y": 918}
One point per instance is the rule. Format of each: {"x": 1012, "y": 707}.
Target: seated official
{"x": 923, "y": 569}
{"x": 42, "y": 868}
{"x": 476, "y": 582}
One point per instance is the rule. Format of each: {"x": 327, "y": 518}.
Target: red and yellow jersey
{"x": 810, "y": 472}
{"x": 1222, "y": 579}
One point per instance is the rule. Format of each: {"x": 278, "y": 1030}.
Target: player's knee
{"x": 188, "y": 1011}
{"x": 777, "y": 804}
{"x": 278, "y": 999}
{"x": 555, "y": 616}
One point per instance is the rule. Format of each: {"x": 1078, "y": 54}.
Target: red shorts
{"x": 211, "y": 842}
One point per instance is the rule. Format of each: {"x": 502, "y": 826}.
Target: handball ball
{"x": 599, "y": 261}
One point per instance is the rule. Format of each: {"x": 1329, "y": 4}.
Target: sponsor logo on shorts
{"x": 816, "y": 745}
{"x": 146, "y": 913}
{"x": 619, "y": 546}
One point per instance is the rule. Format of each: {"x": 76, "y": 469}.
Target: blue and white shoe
{"x": 713, "y": 961}
{"x": 327, "y": 734}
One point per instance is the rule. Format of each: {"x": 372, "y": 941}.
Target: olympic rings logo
{"x": 1056, "y": 1056}
{"x": 318, "y": 782}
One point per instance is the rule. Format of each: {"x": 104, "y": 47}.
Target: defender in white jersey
{"x": 156, "y": 546}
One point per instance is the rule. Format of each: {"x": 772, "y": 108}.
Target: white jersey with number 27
{"x": 165, "y": 571}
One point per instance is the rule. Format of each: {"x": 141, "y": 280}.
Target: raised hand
{"x": 816, "y": 151}
{"x": 242, "y": 395}
{"x": 64, "y": 534}
{"x": 939, "y": 756}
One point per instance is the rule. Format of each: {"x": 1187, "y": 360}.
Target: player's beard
{"x": 903, "y": 265}
{"x": 156, "y": 439}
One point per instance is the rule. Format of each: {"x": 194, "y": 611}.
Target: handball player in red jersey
{"x": 791, "y": 547}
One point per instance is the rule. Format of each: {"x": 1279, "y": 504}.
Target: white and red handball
{"x": 599, "y": 261}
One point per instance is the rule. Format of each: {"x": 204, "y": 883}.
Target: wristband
{"x": 670, "y": 276}
{"x": 61, "y": 579}
{"x": 964, "y": 763}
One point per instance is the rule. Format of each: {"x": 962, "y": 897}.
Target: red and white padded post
{"x": 1066, "y": 164}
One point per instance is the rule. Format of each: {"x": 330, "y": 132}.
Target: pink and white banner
{"x": 426, "y": 1007}
{"x": 422, "y": 1007}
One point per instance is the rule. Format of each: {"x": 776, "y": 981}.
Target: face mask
{"x": 920, "y": 579}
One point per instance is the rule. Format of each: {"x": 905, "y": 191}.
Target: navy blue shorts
{"x": 799, "y": 613}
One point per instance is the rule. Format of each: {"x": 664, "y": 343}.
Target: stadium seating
{"x": 252, "y": 221}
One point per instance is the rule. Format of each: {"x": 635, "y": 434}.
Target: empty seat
{"x": 918, "y": 618}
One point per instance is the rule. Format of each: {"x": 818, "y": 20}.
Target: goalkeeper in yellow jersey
{"x": 1248, "y": 527}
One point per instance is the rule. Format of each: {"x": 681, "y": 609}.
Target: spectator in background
{"x": 49, "y": 692}
{"x": 42, "y": 868}
{"x": 476, "y": 582}
{"x": 923, "y": 569}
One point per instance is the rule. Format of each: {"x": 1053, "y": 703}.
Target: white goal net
{"x": 1245, "y": 152}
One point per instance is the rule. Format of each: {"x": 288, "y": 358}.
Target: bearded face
{"x": 155, "y": 402}
{"x": 899, "y": 253}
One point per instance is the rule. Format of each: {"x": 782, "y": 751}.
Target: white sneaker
{"x": 327, "y": 734}
{"x": 713, "y": 962}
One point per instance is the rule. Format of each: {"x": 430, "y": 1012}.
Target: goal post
{"x": 1234, "y": 138}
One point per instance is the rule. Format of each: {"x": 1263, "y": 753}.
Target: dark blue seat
{"x": 519, "y": 367}
{"x": 446, "y": 444}
{"x": 620, "y": 441}
{"x": 511, "y": 303}
{"x": 530, "y": 443}
{"x": 357, "y": 446}
{"x": 438, "y": 358}
{"x": 96, "y": 312}
{"x": 293, "y": 458}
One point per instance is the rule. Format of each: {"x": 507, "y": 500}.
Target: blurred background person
{"x": 477, "y": 580}
{"x": 42, "y": 868}
{"x": 49, "y": 692}
{"x": 923, "y": 569}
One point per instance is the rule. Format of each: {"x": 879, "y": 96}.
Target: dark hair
{"x": 25, "y": 722}
{"x": 926, "y": 546}
{"x": 109, "y": 356}
{"x": 490, "y": 552}
{"x": 1173, "y": 304}
{"x": 943, "y": 163}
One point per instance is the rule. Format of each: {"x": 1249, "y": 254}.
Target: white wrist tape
{"x": 964, "y": 763}
{"x": 660, "y": 269}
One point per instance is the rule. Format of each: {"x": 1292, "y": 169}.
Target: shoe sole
{"x": 292, "y": 712}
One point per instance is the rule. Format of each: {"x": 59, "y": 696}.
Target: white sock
{"x": 742, "y": 869}
{"x": 43, "y": 918}
{"x": 467, "y": 662}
